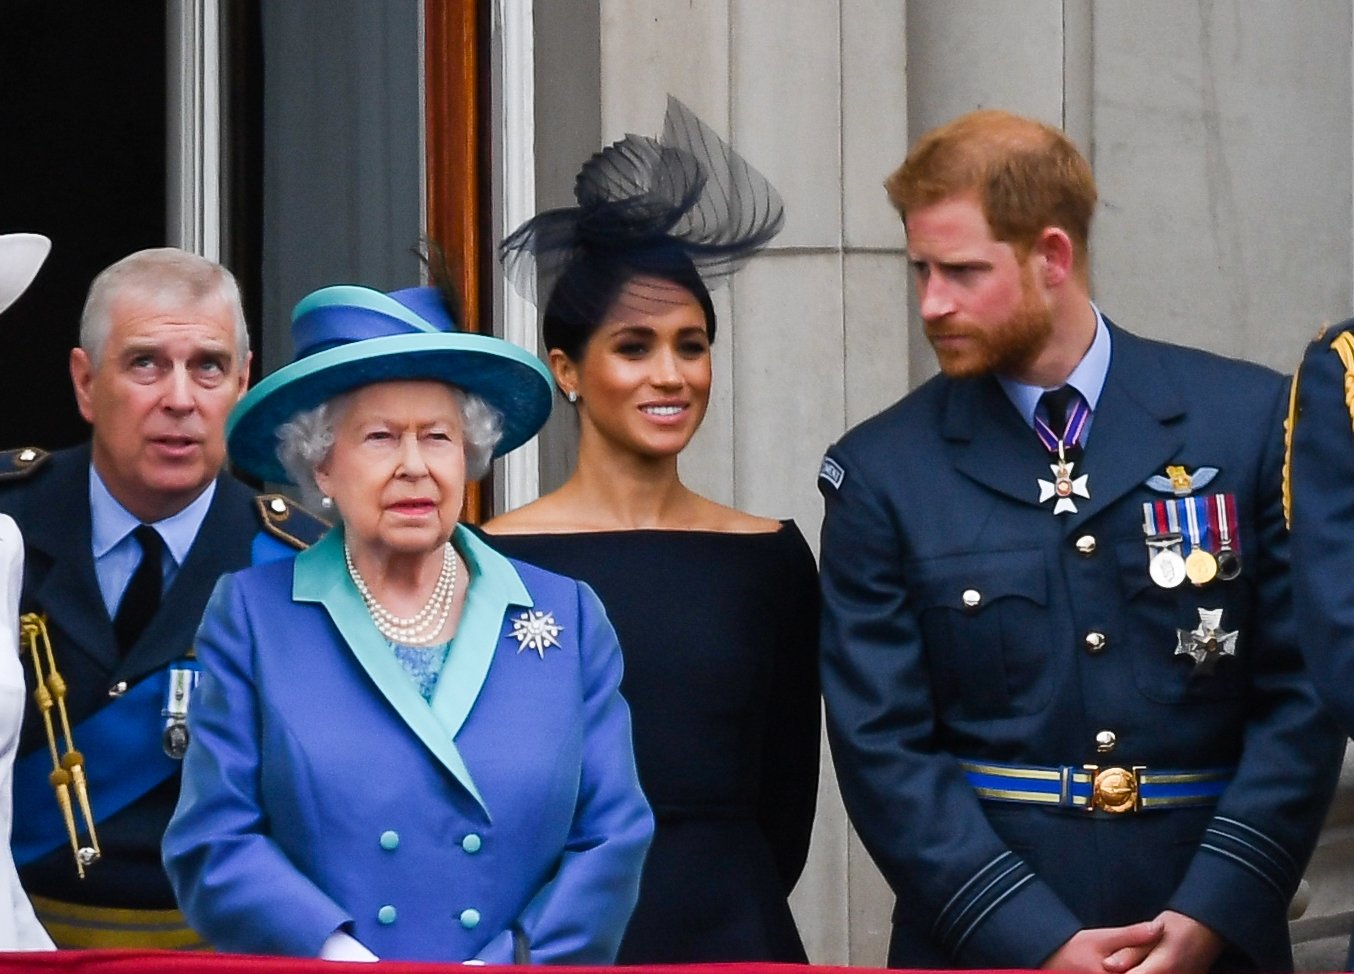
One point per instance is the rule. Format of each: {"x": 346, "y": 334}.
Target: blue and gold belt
{"x": 76, "y": 926}
{"x": 1094, "y": 788}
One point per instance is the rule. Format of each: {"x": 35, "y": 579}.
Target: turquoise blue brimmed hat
{"x": 347, "y": 337}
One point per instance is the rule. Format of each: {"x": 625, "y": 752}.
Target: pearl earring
{"x": 327, "y": 502}
{"x": 571, "y": 395}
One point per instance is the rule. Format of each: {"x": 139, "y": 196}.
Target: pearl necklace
{"x": 422, "y": 628}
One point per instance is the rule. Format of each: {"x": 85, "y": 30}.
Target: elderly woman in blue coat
{"x": 403, "y": 745}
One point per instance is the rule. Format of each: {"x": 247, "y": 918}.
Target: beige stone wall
{"x": 1220, "y": 131}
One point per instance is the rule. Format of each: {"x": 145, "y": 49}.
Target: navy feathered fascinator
{"x": 681, "y": 205}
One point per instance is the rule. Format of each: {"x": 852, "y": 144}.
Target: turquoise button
{"x": 386, "y": 914}
{"x": 471, "y": 843}
{"x": 470, "y": 919}
{"x": 390, "y": 840}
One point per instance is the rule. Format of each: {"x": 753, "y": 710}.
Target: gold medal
{"x": 1201, "y": 567}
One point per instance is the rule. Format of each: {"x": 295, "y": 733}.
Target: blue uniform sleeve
{"x": 1322, "y": 478}
{"x": 578, "y": 917}
{"x": 909, "y": 800}
{"x": 233, "y": 883}
{"x": 1266, "y": 825}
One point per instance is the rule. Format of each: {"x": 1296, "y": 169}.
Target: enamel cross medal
{"x": 1065, "y": 484}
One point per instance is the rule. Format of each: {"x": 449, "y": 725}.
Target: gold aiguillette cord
{"x": 68, "y": 768}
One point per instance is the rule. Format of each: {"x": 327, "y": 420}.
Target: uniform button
{"x": 470, "y": 919}
{"x": 1086, "y": 545}
{"x": 1105, "y": 741}
{"x": 1095, "y": 642}
{"x": 471, "y": 843}
{"x": 278, "y": 505}
{"x": 118, "y": 689}
{"x": 971, "y": 598}
{"x": 386, "y": 914}
{"x": 390, "y": 840}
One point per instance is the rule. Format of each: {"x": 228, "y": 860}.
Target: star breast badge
{"x": 1206, "y": 643}
{"x": 536, "y": 630}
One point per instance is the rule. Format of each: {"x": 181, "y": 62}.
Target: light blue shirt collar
{"x": 116, "y": 552}
{"x": 1088, "y": 378}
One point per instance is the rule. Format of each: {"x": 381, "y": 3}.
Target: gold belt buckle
{"x": 1114, "y": 790}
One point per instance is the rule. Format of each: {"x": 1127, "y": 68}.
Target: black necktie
{"x": 141, "y": 598}
{"x": 1057, "y": 404}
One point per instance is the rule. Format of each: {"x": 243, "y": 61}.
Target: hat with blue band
{"x": 348, "y": 336}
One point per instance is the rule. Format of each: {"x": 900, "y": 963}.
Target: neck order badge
{"x": 1061, "y": 436}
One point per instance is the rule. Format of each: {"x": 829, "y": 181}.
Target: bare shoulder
{"x": 713, "y": 516}
{"x": 542, "y": 516}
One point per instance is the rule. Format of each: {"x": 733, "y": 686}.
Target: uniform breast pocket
{"x": 1161, "y": 620}
{"x": 983, "y": 620}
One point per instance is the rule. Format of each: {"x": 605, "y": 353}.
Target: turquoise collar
{"x": 321, "y": 576}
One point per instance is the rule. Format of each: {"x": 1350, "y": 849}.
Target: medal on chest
{"x": 1065, "y": 450}
{"x": 1192, "y": 538}
{"x": 1063, "y": 487}
{"x": 1207, "y": 642}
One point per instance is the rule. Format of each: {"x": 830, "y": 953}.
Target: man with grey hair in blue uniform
{"x": 124, "y": 539}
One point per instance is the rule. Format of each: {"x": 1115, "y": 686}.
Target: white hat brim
{"x": 21, "y": 255}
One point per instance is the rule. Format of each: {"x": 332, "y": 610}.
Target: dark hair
{"x": 683, "y": 208}
{"x": 592, "y": 283}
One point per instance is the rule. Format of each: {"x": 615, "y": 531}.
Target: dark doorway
{"x": 82, "y": 130}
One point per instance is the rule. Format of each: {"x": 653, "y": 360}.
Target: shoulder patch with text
{"x": 832, "y": 472}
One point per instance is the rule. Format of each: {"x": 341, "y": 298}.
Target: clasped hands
{"x": 1171, "y": 943}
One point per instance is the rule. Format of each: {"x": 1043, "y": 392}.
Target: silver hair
{"x": 304, "y": 441}
{"x": 163, "y": 277}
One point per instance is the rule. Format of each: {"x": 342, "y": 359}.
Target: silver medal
{"x": 1167, "y": 568}
{"x": 174, "y": 737}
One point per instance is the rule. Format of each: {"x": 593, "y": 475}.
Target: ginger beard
{"x": 1005, "y": 348}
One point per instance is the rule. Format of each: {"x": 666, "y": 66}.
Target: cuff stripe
{"x": 963, "y": 921}
{"x": 963, "y": 939}
{"x": 1248, "y": 864}
{"x": 1276, "y": 850}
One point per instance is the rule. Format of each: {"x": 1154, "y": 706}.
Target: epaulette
{"x": 21, "y": 463}
{"x": 289, "y": 522}
{"x": 1290, "y": 425}
{"x": 1342, "y": 344}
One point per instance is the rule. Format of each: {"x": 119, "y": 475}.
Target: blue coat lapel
{"x": 321, "y": 576}
{"x": 989, "y": 441}
{"x": 60, "y": 529}
{"x": 1134, "y": 433}
{"x": 222, "y": 545}
{"x": 1137, "y": 426}
{"x": 494, "y": 586}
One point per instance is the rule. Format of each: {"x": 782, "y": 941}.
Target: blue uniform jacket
{"x": 1323, "y": 518}
{"x": 322, "y": 792}
{"x": 963, "y": 620}
{"x": 51, "y": 506}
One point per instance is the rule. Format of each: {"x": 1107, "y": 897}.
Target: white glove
{"x": 340, "y": 946}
